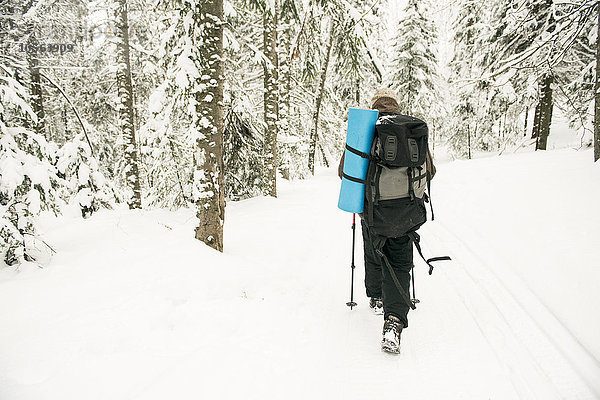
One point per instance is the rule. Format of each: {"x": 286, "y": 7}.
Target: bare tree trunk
{"x": 526, "y": 117}
{"x": 469, "y": 141}
{"x": 325, "y": 160}
{"x": 37, "y": 96}
{"x": 545, "y": 112}
{"x": 536, "y": 120}
{"x": 433, "y": 129}
{"x": 597, "y": 97}
{"x": 285, "y": 70}
{"x": 314, "y": 132}
{"x": 378, "y": 72}
{"x": 126, "y": 117}
{"x": 271, "y": 98}
{"x": 505, "y": 131}
{"x": 500, "y": 126}
{"x": 209, "y": 183}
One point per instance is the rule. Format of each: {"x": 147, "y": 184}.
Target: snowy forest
{"x": 192, "y": 104}
{"x": 169, "y": 182}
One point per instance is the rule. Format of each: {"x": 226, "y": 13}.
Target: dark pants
{"x": 378, "y": 280}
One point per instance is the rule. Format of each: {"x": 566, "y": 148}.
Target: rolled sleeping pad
{"x": 361, "y": 130}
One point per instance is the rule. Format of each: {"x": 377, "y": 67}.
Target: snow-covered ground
{"x": 133, "y": 307}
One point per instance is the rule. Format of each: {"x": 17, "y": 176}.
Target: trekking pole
{"x": 414, "y": 299}
{"x": 351, "y": 303}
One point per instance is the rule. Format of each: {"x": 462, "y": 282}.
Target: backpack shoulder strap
{"x": 429, "y": 196}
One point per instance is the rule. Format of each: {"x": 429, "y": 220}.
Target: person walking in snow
{"x": 394, "y": 205}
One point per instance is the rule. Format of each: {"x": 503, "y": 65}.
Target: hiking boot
{"x": 376, "y": 305}
{"x": 392, "y": 327}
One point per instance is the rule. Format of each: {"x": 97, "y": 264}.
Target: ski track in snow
{"x": 518, "y": 337}
{"x": 132, "y": 307}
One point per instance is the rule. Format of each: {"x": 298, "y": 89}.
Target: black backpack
{"x": 395, "y": 186}
{"x": 397, "y": 177}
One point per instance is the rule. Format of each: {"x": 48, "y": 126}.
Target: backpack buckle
{"x": 413, "y": 150}
{"x": 391, "y": 148}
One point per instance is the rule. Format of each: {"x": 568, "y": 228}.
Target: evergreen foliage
{"x": 73, "y": 118}
{"x": 415, "y": 65}
{"x": 242, "y": 148}
{"x": 29, "y": 182}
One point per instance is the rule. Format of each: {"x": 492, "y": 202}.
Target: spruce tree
{"x": 469, "y": 91}
{"x": 29, "y": 182}
{"x": 415, "y": 66}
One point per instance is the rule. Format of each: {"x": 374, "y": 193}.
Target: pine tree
{"x": 244, "y": 105}
{"x": 415, "y": 65}
{"x": 242, "y": 154}
{"x": 468, "y": 126}
{"x": 28, "y": 182}
{"x": 83, "y": 178}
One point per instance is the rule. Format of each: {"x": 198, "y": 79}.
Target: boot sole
{"x": 389, "y": 347}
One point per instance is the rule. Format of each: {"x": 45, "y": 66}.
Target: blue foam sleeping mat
{"x": 359, "y": 138}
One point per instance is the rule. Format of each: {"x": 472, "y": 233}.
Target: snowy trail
{"x": 517, "y": 335}
{"x": 132, "y": 307}
{"x": 345, "y": 342}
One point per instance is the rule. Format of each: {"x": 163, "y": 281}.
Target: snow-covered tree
{"x": 470, "y": 124}
{"x": 187, "y": 113}
{"x": 314, "y": 133}
{"x": 28, "y": 179}
{"x": 271, "y": 94}
{"x": 84, "y": 180}
{"x": 546, "y": 45}
{"x": 415, "y": 66}
{"x": 244, "y": 103}
{"x": 337, "y": 36}
{"x": 125, "y": 103}
{"x": 242, "y": 153}
{"x": 207, "y": 92}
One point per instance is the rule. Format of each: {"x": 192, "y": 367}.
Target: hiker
{"x": 384, "y": 237}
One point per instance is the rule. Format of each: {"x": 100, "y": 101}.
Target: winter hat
{"x": 384, "y": 93}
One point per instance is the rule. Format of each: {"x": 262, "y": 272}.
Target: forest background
{"x": 175, "y": 103}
